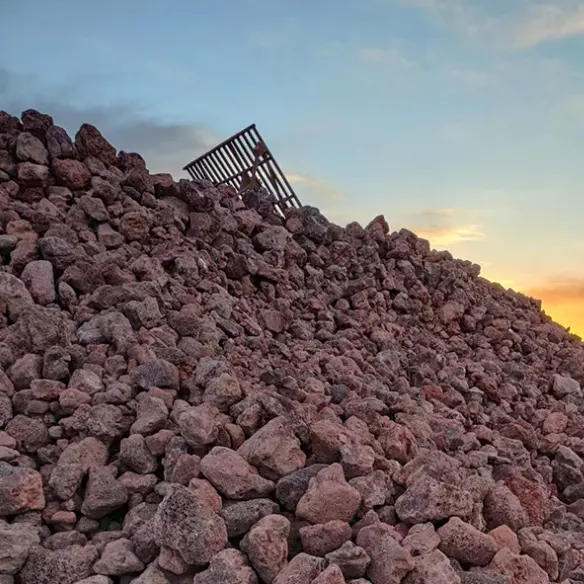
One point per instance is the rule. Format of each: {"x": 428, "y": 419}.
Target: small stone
{"x": 266, "y": 545}
{"x": 300, "y": 570}
{"x": 502, "y": 507}
{"x": 191, "y": 528}
{"x": 118, "y": 558}
{"x": 427, "y": 499}
{"x": 40, "y": 280}
{"x": 421, "y": 539}
{"x": 200, "y": 425}
{"x": 229, "y": 472}
{"x": 21, "y": 489}
{"x": 331, "y": 575}
{"x": 65, "y": 566}
{"x": 274, "y": 450}
{"x": 16, "y": 540}
{"x": 72, "y": 174}
{"x": 352, "y": 559}
{"x": 432, "y": 568}
{"x": 227, "y": 567}
{"x": 241, "y": 516}
{"x": 390, "y": 563}
{"x": 103, "y": 495}
{"x": 519, "y": 569}
{"x": 329, "y": 497}
{"x": 461, "y": 541}
{"x": 320, "y": 539}
{"x": 292, "y": 487}
{"x": 506, "y": 538}
{"x": 134, "y": 455}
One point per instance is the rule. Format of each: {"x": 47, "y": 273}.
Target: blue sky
{"x": 463, "y": 120}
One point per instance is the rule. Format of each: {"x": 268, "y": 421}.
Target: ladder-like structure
{"x": 244, "y": 162}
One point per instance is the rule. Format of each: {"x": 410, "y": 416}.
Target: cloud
{"x": 431, "y": 213}
{"x": 524, "y": 24}
{"x": 563, "y": 300}
{"x": 315, "y": 188}
{"x": 446, "y": 226}
{"x": 562, "y": 291}
{"x": 167, "y": 147}
{"x": 446, "y": 236}
{"x": 550, "y": 22}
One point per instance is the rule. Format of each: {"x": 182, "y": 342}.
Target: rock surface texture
{"x": 196, "y": 389}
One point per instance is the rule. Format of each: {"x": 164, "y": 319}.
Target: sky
{"x": 462, "y": 120}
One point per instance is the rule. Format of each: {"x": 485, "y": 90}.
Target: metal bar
{"x": 220, "y": 145}
{"x": 219, "y": 161}
{"x": 233, "y": 159}
{"x": 250, "y": 156}
{"x": 210, "y": 171}
{"x": 253, "y": 130}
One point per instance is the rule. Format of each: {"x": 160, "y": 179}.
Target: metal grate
{"x": 242, "y": 162}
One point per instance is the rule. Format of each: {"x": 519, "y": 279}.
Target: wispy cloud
{"x": 550, "y": 22}
{"x": 561, "y": 291}
{"x": 524, "y": 24}
{"x": 315, "y": 187}
{"x": 166, "y": 147}
{"x": 446, "y": 236}
{"x": 563, "y": 300}
{"x": 444, "y": 227}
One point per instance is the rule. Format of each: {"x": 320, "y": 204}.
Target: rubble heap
{"x": 194, "y": 389}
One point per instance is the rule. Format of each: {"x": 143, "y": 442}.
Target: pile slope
{"x": 196, "y": 389}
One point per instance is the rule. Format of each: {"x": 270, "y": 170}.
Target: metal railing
{"x": 242, "y": 162}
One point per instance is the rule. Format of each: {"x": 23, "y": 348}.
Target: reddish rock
{"x": 464, "y": 543}
{"x": 329, "y": 497}
{"x": 432, "y": 568}
{"x": 266, "y": 545}
{"x": 519, "y": 569}
{"x": 90, "y": 142}
{"x": 352, "y": 559}
{"x": 189, "y": 526}
{"x": 331, "y": 575}
{"x": 398, "y": 443}
{"x": 506, "y": 538}
{"x": 320, "y": 539}
{"x": 427, "y": 499}
{"x": 274, "y": 450}
{"x": 229, "y": 472}
{"x": 502, "y": 507}
{"x": 390, "y": 563}
{"x": 21, "y": 489}
{"x": 301, "y": 568}
{"x": 72, "y": 174}
{"x": 421, "y": 539}
{"x": 227, "y": 567}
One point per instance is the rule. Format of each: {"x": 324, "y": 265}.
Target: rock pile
{"x": 194, "y": 389}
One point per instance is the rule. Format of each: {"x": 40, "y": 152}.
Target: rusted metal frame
{"x": 252, "y": 130}
{"x": 231, "y": 167}
{"x": 194, "y": 172}
{"x": 263, "y": 174}
{"x": 287, "y": 192}
{"x": 209, "y": 167}
{"x": 265, "y": 170}
{"x": 236, "y": 162}
{"x": 226, "y": 172}
{"x": 251, "y": 159}
{"x": 249, "y": 128}
{"x": 238, "y": 156}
